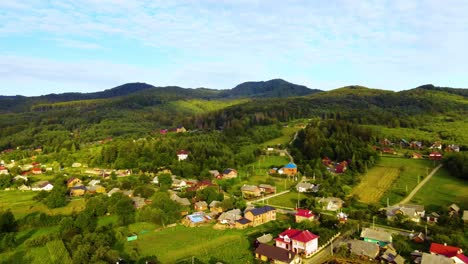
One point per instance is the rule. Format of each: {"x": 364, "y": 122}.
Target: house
{"x": 182, "y": 155}
{"x": 304, "y": 215}
{"x": 3, "y": 170}
{"x": 267, "y": 189}
{"x": 376, "y": 236}
{"x": 215, "y": 173}
{"x": 404, "y": 143}
{"x": 413, "y": 211}
{"x": 432, "y": 218}
{"x": 326, "y": 161}
{"x": 259, "y": 216}
{"x": 341, "y": 167}
{"x": 94, "y": 182}
{"x": 155, "y": 180}
{"x": 73, "y": 181}
{"x": 453, "y": 209}
{"x": 242, "y": 223}
{"x": 201, "y": 206}
{"x": 178, "y": 184}
{"x": 114, "y": 190}
{"x": 304, "y": 187}
{"x": 342, "y": 217}
{"x": 435, "y": 156}
{"x": 416, "y": 144}
{"x": 460, "y": 259}
{"x": 78, "y": 190}
{"x": 36, "y": 171}
{"x": 416, "y": 155}
{"x": 465, "y": 216}
{"x": 263, "y": 239}
{"x": 391, "y": 256}
{"x": 277, "y": 255}
{"x": 96, "y": 189}
{"x": 181, "y": 201}
{"x": 20, "y": 177}
{"x": 452, "y": 148}
{"x": 138, "y": 202}
{"x": 298, "y": 241}
{"x": 435, "y": 259}
{"x": 290, "y": 169}
{"x": 163, "y": 131}
{"x": 180, "y": 129}
{"x": 250, "y": 191}
{"x": 229, "y": 173}
{"x": 443, "y": 249}
{"x": 215, "y": 207}
{"x": 230, "y": 217}
{"x": 419, "y": 238}
{"x": 42, "y": 186}
{"x": 273, "y": 171}
{"x": 330, "y": 203}
{"x": 24, "y": 188}
{"x": 436, "y": 145}
{"x": 364, "y": 249}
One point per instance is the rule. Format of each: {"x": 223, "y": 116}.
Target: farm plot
{"x": 375, "y": 183}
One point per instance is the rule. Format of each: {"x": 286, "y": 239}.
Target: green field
{"x": 288, "y": 133}
{"x": 21, "y": 203}
{"x": 390, "y": 178}
{"x": 442, "y": 190}
{"x": 455, "y": 131}
{"x": 409, "y": 172}
{"x": 287, "y": 199}
{"x": 183, "y": 243}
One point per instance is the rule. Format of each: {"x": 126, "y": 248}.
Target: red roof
{"x": 36, "y": 169}
{"x": 304, "y": 213}
{"x": 305, "y": 236}
{"x": 448, "y": 251}
{"x": 298, "y": 235}
{"x": 2, "y": 168}
{"x": 182, "y": 152}
{"x": 462, "y": 258}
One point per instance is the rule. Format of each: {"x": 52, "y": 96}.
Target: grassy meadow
{"x": 391, "y": 178}
{"x": 442, "y": 190}
{"x": 182, "y": 243}
{"x": 21, "y": 203}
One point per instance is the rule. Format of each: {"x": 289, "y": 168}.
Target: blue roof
{"x": 262, "y": 210}
{"x": 244, "y": 221}
{"x": 291, "y": 166}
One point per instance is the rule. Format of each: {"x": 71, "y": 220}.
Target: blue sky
{"x": 92, "y": 45}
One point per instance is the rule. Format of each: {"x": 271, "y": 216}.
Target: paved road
{"x": 421, "y": 184}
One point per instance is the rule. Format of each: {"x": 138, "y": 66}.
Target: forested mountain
{"x": 273, "y": 88}
{"x": 138, "y": 109}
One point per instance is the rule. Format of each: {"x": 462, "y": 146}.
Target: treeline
{"x": 337, "y": 140}
{"x": 457, "y": 164}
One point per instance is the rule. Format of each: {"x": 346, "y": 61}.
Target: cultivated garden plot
{"x": 375, "y": 183}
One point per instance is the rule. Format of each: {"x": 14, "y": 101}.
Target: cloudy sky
{"x": 91, "y": 45}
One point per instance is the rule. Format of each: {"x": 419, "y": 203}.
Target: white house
{"x": 42, "y": 186}
{"x": 298, "y": 241}
{"x": 182, "y": 155}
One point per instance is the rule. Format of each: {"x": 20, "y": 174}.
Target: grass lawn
{"x": 410, "y": 171}
{"x": 390, "y": 178}
{"x": 21, "y": 203}
{"x": 38, "y": 255}
{"x": 288, "y": 199}
{"x": 288, "y": 133}
{"x": 442, "y": 190}
{"x": 183, "y": 243}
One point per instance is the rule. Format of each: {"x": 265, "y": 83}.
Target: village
{"x": 292, "y": 245}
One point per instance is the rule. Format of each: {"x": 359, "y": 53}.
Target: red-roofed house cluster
{"x": 451, "y": 252}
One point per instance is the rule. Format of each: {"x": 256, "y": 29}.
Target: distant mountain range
{"x": 269, "y": 89}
